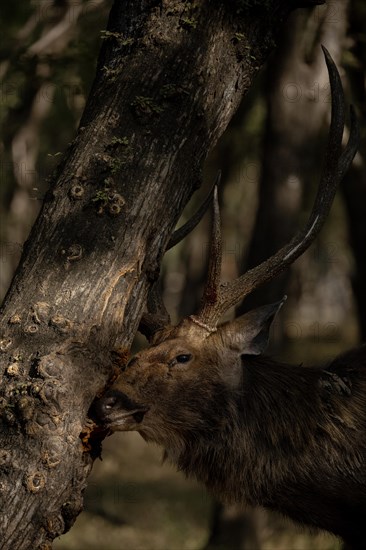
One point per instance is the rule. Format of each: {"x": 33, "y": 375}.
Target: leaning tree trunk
{"x": 169, "y": 77}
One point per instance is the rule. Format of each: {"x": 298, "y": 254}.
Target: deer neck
{"x": 264, "y": 429}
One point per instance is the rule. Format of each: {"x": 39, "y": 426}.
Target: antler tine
{"x": 211, "y": 293}
{"x": 335, "y": 166}
{"x": 156, "y": 317}
{"x": 182, "y": 232}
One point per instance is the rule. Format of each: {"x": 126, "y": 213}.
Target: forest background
{"x": 270, "y": 158}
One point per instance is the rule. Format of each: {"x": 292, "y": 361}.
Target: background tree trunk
{"x": 169, "y": 78}
{"x": 354, "y": 184}
{"x": 297, "y": 95}
{"x": 21, "y": 127}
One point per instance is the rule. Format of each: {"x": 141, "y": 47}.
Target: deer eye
{"x": 183, "y": 358}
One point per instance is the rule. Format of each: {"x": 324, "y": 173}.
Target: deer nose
{"x": 108, "y": 402}
{"x": 102, "y": 407}
{"x": 114, "y": 401}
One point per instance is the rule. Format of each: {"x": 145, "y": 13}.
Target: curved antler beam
{"x": 219, "y": 298}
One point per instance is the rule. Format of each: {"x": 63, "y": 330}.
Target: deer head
{"x": 173, "y": 391}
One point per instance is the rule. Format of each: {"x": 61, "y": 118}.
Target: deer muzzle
{"x": 117, "y": 411}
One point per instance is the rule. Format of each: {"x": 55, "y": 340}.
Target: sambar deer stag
{"x": 286, "y": 437}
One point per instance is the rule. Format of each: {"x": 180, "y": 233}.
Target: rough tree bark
{"x": 169, "y": 77}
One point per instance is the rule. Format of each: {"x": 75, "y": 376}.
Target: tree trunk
{"x": 354, "y": 189}
{"x": 354, "y": 184}
{"x": 22, "y": 125}
{"x": 169, "y": 77}
{"x": 298, "y": 103}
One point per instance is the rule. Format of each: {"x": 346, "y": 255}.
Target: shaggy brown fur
{"x": 289, "y": 438}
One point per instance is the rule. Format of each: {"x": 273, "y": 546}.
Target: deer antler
{"x": 184, "y": 230}
{"x": 157, "y": 317}
{"x": 217, "y": 297}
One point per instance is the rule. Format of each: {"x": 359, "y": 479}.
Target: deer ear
{"x": 249, "y": 333}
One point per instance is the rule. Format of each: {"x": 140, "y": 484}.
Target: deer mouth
{"x": 124, "y": 420}
{"x": 118, "y": 412}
